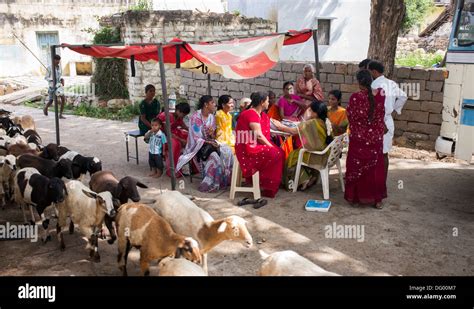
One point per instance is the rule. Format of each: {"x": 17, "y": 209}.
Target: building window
{"x": 324, "y": 31}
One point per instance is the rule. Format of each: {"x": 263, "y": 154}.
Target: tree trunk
{"x": 386, "y": 18}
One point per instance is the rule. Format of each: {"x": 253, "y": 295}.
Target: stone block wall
{"x": 417, "y": 126}
{"x": 163, "y": 26}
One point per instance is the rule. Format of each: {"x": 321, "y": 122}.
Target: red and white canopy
{"x": 235, "y": 59}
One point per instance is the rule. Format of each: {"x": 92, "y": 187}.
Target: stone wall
{"x": 418, "y": 125}
{"x": 163, "y": 26}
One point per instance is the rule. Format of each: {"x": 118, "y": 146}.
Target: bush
{"x": 109, "y": 74}
{"x": 418, "y": 58}
{"x": 415, "y": 12}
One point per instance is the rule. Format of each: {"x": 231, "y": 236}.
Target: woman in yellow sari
{"x": 224, "y": 134}
{"x": 336, "y": 113}
{"x": 315, "y": 136}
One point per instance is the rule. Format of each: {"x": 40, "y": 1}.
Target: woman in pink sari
{"x": 254, "y": 150}
{"x": 365, "y": 168}
{"x": 308, "y": 87}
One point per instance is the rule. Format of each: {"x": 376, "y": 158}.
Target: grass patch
{"x": 127, "y": 113}
{"x": 426, "y": 60}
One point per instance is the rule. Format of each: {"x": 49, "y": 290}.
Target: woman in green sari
{"x": 315, "y": 134}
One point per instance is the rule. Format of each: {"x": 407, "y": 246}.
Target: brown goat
{"x": 140, "y": 226}
{"x": 19, "y": 149}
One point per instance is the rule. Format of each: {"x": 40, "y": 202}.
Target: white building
{"x": 343, "y": 25}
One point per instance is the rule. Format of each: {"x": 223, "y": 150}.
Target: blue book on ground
{"x": 318, "y": 205}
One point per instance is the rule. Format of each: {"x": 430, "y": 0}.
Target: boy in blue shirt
{"x": 157, "y": 139}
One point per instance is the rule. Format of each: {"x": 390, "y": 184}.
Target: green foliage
{"x": 416, "y": 10}
{"x": 142, "y": 5}
{"x": 413, "y": 59}
{"x": 109, "y": 74}
{"x": 85, "y": 109}
{"x": 106, "y": 35}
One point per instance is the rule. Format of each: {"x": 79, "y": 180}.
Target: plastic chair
{"x": 236, "y": 181}
{"x": 335, "y": 148}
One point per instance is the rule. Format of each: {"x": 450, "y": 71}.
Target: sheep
{"x": 188, "y": 219}
{"x": 140, "y": 226}
{"x": 87, "y": 209}
{"x": 7, "y": 174}
{"x": 179, "y": 267}
{"x": 48, "y": 168}
{"x": 121, "y": 190}
{"x": 289, "y": 263}
{"x": 34, "y": 189}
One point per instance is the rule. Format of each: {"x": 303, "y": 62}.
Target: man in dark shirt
{"x": 149, "y": 109}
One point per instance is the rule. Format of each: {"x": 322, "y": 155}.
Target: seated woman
{"x": 179, "y": 132}
{"x": 316, "y": 135}
{"x": 308, "y": 87}
{"x": 253, "y": 148}
{"x": 149, "y": 109}
{"x": 224, "y": 134}
{"x": 336, "y": 113}
{"x": 291, "y": 106}
{"x": 273, "y": 110}
{"x": 213, "y": 159}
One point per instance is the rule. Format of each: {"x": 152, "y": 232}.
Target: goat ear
{"x": 141, "y": 185}
{"x": 222, "y": 227}
{"x": 90, "y": 194}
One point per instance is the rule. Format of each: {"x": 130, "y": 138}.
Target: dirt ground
{"x": 415, "y": 234}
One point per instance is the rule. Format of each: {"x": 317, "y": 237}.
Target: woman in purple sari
{"x": 215, "y": 166}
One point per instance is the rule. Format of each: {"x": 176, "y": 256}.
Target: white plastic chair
{"x": 335, "y": 149}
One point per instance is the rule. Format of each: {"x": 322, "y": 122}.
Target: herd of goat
{"x": 172, "y": 229}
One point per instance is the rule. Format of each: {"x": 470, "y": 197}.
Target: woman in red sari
{"x": 179, "y": 132}
{"x": 253, "y": 148}
{"x": 365, "y": 169}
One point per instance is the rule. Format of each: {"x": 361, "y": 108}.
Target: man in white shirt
{"x": 395, "y": 99}
{"x": 55, "y": 88}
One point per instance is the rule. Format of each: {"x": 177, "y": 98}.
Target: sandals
{"x": 379, "y": 206}
{"x": 256, "y": 203}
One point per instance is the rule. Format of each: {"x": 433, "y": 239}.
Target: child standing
{"x": 156, "y": 138}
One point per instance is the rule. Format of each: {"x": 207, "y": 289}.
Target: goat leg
{"x": 110, "y": 226}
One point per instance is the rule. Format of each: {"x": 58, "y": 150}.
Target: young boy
{"x": 156, "y": 139}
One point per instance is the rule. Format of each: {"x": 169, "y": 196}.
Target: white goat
{"x": 187, "y": 218}
{"x": 7, "y": 175}
{"x": 86, "y": 209}
{"x": 179, "y": 267}
{"x": 289, "y": 263}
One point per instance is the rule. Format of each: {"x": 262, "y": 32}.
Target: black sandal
{"x": 246, "y": 201}
{"x": 260, "y": 203}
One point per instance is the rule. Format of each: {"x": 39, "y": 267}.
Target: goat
{"x": 53, "y": 151}
{"x": 188, "y": 219}
{"x": 140, "y": 226}
{"x": 121, "y": 190}
{"x": 48, "y": 168}
{"x": 87, "y": 209}
{"x": 289, "y": 263}
{"x": 179, "y": 267}
{"x": 81, "y": 165}
{"x": 34, "y": 189}
{"x": 7, "y": 174}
